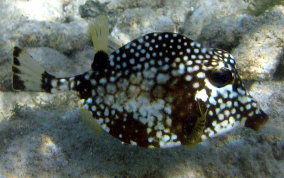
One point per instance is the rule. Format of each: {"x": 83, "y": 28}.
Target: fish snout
{"x": 257, "y": 121}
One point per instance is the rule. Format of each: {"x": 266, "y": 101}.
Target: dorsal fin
{"x": 99, "y": 32}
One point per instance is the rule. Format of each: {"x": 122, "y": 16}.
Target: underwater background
{"x": 43, "y": 135}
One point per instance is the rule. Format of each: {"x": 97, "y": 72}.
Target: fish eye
{"x": 220, "y": 77}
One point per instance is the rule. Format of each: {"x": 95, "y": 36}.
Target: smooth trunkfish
{"x": 160, "y": 90}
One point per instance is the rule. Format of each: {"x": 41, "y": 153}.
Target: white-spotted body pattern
{"x": 153, "y": 98}
{"x": 151, "y": 91}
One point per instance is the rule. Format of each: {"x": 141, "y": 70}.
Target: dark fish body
{"x": 147, "y": 92}
{"x": 162, "y": 90}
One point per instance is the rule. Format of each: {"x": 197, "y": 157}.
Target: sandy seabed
{"x": 43, "y": 135}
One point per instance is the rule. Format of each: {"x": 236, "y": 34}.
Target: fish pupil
{"x": 220, "y": 78}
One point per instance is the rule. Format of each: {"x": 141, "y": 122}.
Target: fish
{"x": 160, "y": 90}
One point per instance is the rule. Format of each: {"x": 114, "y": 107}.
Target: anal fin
{"x": 91, "y": 122}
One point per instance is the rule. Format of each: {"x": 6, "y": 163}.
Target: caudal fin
{"x": 99, "y": 32}
{"x": 28, "y": 75}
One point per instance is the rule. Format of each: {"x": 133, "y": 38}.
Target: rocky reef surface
{"x": 42, "y": 135}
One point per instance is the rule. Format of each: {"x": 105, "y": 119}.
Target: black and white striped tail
{"x": 28, "y": 75}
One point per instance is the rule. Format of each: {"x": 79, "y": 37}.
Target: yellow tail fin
{"x": 99, "y": 32}
{"x": 27, "y": 73}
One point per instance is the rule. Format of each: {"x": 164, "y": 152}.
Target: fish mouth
{"x": 257, "y": 121}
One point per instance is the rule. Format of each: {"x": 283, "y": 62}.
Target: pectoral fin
{"x": 195, "y": 136}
